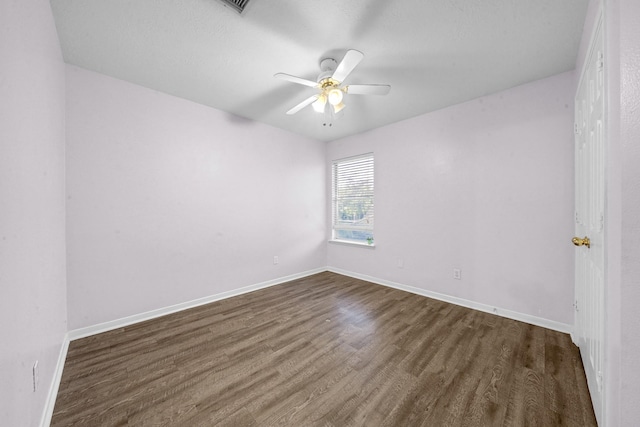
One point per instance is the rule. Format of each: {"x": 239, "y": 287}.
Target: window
{"x": 352, "y": 199}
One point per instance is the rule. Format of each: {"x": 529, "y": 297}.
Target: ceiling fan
{"x": 330, "y": 96}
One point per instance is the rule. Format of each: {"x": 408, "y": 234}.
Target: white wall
{"x": 630, "y": 272}
{"x": 169, "y": 201}
{"x": 32, "y": 255}
{"x": 623, "y": 199}
{"x": 485, "y": 186}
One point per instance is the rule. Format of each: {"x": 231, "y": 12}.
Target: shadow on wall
{"x": 235, "y": 119}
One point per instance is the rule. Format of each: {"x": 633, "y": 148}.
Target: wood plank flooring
{"x": 326, "y": 350}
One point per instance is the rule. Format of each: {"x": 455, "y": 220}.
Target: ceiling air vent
{"x": 237, "y": 5}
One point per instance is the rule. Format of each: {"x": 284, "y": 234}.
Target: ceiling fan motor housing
{"x": 327, "y": 66}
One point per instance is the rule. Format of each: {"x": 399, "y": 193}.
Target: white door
{"x": 589, "y": 218}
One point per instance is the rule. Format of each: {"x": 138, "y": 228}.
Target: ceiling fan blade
{"x": 295, "y": 79}
{"x": 368, "y": 89}
{"x": 303, "y": 104}
{"x": 351, "y": 59}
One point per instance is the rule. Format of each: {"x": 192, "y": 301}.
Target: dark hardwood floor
{"x": 325, "y": 350}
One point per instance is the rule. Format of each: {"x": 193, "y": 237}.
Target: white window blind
{"x": 352, "y": 198}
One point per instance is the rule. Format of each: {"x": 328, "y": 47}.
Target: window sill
{"x": 350, "y": 243}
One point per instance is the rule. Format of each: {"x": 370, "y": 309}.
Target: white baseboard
{"x": 50, "y": 401}
{"x": 527, "y": 318}
{"x": 141, "y": 317}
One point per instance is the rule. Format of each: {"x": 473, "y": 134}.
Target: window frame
{"x": 361, "y": 168}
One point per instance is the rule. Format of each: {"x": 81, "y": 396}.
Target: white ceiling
{"x": 433, "y": 53}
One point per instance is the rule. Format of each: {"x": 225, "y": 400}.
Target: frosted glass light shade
{"x": 335, "y": 96}
{"x": 319, "y": 104}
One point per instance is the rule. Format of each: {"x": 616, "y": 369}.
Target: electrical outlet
{"x": 400, "y": 263}
{"x": 36, "y": 374}
{"x": 275, "y": 260}
{"x": 457, "y": 274}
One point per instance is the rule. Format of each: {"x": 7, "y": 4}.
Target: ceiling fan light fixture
{"x": 337, "y": 108}
{"x": 319, "y": 105}
{"x": 335, "y": 96}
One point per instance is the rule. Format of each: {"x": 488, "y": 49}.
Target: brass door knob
{"x": 581, "y": 242}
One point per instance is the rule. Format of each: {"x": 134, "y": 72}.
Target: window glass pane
{"x": 358, "y": 236}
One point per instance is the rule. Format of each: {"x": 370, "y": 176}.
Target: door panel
{"x": 590, "y": 151}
